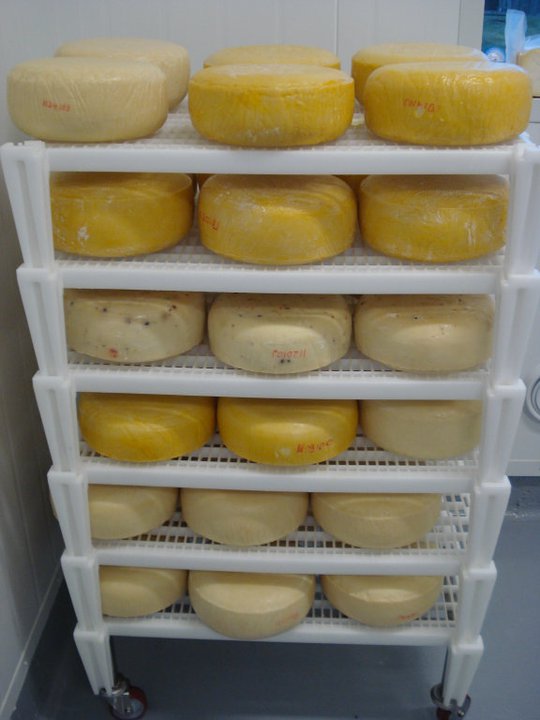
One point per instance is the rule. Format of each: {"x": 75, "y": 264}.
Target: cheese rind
{"x": 277, "y": 220}
{"x": 249, "y": 606}
{"x": 274, "y": 55}
{"x": 135, "y": 591}
{"x": 271, "y": 105}
{"x": 145, "y": 428}
{"x": 127, "y": 326}
{"x": 435, "y": 219}
{"x": 425, "y": 333}
{"x": 279, "y": 334}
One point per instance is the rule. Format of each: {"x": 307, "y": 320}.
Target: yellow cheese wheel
{"x": 277, "y": 220}
{"x": 74, "y": 99}
{"x": 425, "y": 333}
{"x": 353, "y": 181}
{"x": 145, "y": 428}
{"x": 271, "y": 105}
{"x": 376, "y": 520}
{"x": 123, "y": 511}
{"x": 368, "y": 59}
{"x": 423, "y": 429}
{"x": 119, "y": 214}
{"x": 530, "y": 62}
{"x": 249, "y": 606}
{"x": 274, "y": 55}
{"x": 382, "y": 600}
{"x": 243, "y": 518}
{"x": 287, "y": 432}
{"x": 434, "y": 218}
{"x": 135, "y": 591}
{"x": 448, "y": 103}
{"x": 170, "y": 58}
{"x": 128, "y": 326}
{"x": 279, "y": 334}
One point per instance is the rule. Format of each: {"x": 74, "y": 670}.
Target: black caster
{"x": 126, "y": 702}
{"x": 448, "y": 712}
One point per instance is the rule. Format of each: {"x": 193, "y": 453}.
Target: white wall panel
{"x": 306, "y": 23}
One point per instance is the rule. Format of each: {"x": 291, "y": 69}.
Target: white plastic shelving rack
{"x": 474, "y": 488}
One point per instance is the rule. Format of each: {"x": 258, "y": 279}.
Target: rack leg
{"x": 450, "y": 696}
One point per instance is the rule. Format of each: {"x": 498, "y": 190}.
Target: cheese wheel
{"x": 243, "y": 518}
{"x": 74, "y": 99}
{"x": 249, "y": 606}
{"x": 423, "y": 429}
{"x": 448, "y": 103}
{"x": 271, "y": 105}
{"x": 375, "y": 520}
{"x": 434, "y": 218}
{"x": 353, "y": 181}
{"x": 287, "y": 432}
{"x": 279, "y": 334}
{"x": 277, "y": 220}
{"x": 145, "y": 428}
{"x": 273, "y": 55}
{"x": 382, "y": 600}
{"x": 135, "y": 591}
{"x": 128, "y": 326}
{"x": 368, "y": 59}
{"x": 119, "y": 214}
{"x": 425, "y": 333}
{"x": 123, "y": 511}
{"x": 530, "y": 62}
{"x": 170, "y": 58}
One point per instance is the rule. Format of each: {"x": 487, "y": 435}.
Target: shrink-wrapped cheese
{"x": 135, "y": 591}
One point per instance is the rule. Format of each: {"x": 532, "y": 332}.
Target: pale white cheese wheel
{"x": 170, "y": 58}
{"x": 530, "y": 61}
{"x": 276, "y": 54}
{"x": 135, "y": 591}
{"x": 376, "y": 520}
{"x": 382, "y": 600}
{"x": 423, "y": 429}
{"x": 128, "y": 326}
{"x": 74, "y": 99}
{"x": 250, "y": 606}
{"x": 279, "y": 334}
{"x": 123, "y": 511}
{"x": 243, "y": 518}
{"x": 425, "y": 333}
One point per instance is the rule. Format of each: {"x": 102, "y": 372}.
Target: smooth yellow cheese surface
{"x": 274, "y": 55}
{"x": 376, "y": 520}
{"x": 249, "y": 606}
{"x": 448, "y": 103}
{"x": 382, "y": 600}
{"x": 145, "y": 428}
{"x": 243, "y": 518}
{"x": 135, "y": 591}
{"x": 287, "y": 432}
{"x": 170, "y": 58}
{"x": 277, "y": 220}
{"x": 123, "y": 511}
{"x": 530, "y": 62}
{"x": 425, "y": 333}
{"x": 279, "y": 334}
{"x": 271, "y": 105}
{"x": 423, "y": 429}
{"x": 74, "y": 99}
{"x": 368, "y": 59}
{"x": 434, "y": 218}
{"x": 130, "y": 326}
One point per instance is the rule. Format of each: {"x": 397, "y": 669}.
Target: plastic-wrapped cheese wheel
{"x": 145, "y": 428}
{"x": 249, "y": 606}
{"x": 448, "y": 103}
{"x": 423, "y": 429}
{"x": 274, "y": 55}
{"x": 287, "y": 432}
{"x": 271, "y": 105}
{"x": 376, "y": 520}
{"x": 87, "y": 99}
{"x": 382, "y": 600}
{"x": 425, "y": 333}
{"x": 170, "y": 58}
{"x": 129, "y": 326}
{"x": 136, "y": 591}
{"x": 243, "y": 518}
{"x": 279, "y": 334}
{"x": 277, "y": 220}
{"x": 123, "y": 511}
{"x": 434, "y": 218}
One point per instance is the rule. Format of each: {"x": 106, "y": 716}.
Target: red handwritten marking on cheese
{"x": 409, "y": 616}
{"x": 213, "y": 222}
{"x": 51, "y": 105}
{"x": 288, "y": 354}
{"x": 426, "y": 106}
{"x": 113, "y": 352}
{"x": 314, "y": 447}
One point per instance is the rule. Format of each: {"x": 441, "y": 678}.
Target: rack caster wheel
{"x": 448, "y": 712}
{"x": 126, "y": 702}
